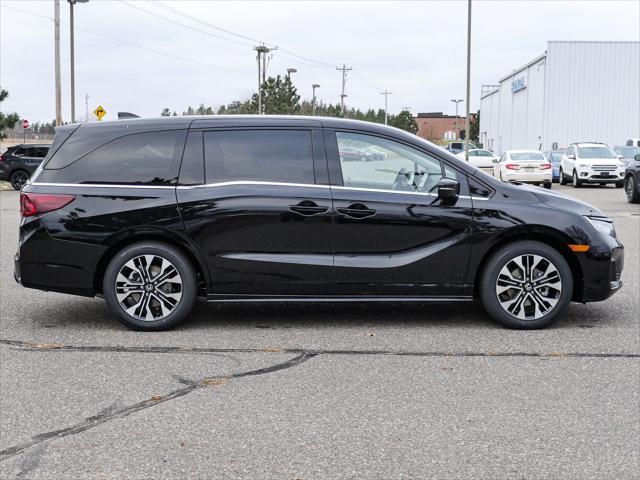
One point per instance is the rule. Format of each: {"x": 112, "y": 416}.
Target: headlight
{"x": 602, "y": 225}
{"x": 581, "y": 164}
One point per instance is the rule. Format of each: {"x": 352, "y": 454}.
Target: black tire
{"x": 577, "y": 183}
{"x": 547, "y": 185}
{"x": 631, "y": 190}
{"x": 188, "y": 288}
{"x": 620, "y": 184}
{"x": 489, "y": 288}
{"x": 18, "y": 179}
{"x": 563, "y": 179}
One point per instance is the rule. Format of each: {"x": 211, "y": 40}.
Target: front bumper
{"x": 591, "y": 175}
{"x": 602, "y": 272}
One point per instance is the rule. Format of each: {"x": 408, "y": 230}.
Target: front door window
{"x": 376, "y": 163}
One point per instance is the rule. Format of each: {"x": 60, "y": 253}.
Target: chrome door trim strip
{"x": 248, "y": 183}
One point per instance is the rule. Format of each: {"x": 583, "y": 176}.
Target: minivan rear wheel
{"x": 526, "y": 285}
{"x": 150, "y": 286}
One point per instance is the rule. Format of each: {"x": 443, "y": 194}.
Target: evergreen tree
{"x": 9, "y": 120}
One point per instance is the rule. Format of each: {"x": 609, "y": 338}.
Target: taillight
{"x": 37, "y": 203}
{"x": 512, "y": 166}
{"x": 3, "y": 156}
{"x": 545, "y": 166}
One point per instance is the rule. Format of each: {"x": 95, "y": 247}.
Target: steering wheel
{"x": 401, "y": 181}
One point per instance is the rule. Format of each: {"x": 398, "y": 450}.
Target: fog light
{"x": 584, "y": 174}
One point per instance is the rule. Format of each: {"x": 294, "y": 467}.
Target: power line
{"x": 184, "y": 24}
{"x": 125, "y": 42}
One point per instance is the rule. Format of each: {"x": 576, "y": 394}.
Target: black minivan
{"x": 152, "y": 213}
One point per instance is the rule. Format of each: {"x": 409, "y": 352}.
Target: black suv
{"x": 20, "y": 161}
{"x": 153, "y": 213}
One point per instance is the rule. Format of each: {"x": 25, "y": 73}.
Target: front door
{"x": 262, "y": 217}
{"x": 393, "y": 236}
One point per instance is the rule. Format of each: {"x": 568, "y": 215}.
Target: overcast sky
{"x": 417, "y": 50}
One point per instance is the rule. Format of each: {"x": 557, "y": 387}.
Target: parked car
{"x": 480, "y": 158}
{"x": 632, "y": 180}
{"x": 591, "y": 162}
{"x": 20, "y": 161}
{"x": 525, "y": 166}
{"x": 633, "y": 142}
{"x": 555, "y": 158}
{"x": 626, "y": 154}
{"x": 151, "y": 213}
{"x": 458, "y": 146}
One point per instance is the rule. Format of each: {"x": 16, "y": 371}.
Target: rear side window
{"x": 259, "y": 155}
{"x": 143, "y": 158}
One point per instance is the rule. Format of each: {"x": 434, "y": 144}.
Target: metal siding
{"x": 581, "y": 91}
{"x": 593, "y": 92}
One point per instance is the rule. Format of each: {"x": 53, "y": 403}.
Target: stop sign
{"x": 25, "y": 123}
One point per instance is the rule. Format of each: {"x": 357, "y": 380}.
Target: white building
{"x": 574, "y": 92}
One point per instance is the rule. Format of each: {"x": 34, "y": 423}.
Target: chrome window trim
{"x": 246, "y": 182}
{"x": 99, "y": 185}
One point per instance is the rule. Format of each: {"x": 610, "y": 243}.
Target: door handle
{"x": 308, "y": 208}
{"x": 356, "y": 210}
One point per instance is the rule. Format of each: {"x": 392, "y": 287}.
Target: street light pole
{"x": 290, "y": 71}
{"x": 457, "y": 120}
{"x": 313, "y": 98}
{"x": 73, "y": 57}
{"x": 56, "y": 30}
{"x": 386, "y": 94}
{"x": 466, "y": 120}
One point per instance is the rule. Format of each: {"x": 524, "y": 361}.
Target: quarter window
{"x": 259, "y": 155}
{"x": 142, "y": 158}
{"x": 377, "y": 163}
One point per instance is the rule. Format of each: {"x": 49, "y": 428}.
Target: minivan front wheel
{"x": 526, "y": 285}
{"x": 150, "y": 286}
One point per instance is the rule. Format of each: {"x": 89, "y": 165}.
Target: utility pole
{"x": 344, "y": 70}
{"x": 56, "y": 27}
{"x": 457, "y": 119}
{"x": 386, "y": 94}
{"x": 262, "y": 71}
{"x": 466, "y": 120}
{"x": 313, "y": 98}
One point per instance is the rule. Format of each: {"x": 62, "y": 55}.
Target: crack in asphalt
{"x": 188, "y": 385}
{"x": 31, "y": 346}
{"x": 120, "y": 412}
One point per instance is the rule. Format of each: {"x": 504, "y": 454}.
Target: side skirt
{"x": 223, "y": 298}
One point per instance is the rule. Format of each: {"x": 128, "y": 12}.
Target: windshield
{"x": 627, "y": 152}
{"x": 527, "y": 156}
{"x": 595, "y": 152}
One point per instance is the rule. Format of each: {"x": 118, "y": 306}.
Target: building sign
{"x": 518, "y": 84}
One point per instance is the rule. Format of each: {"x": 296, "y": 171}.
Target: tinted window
{"x": 40, "y": 152}
{"x": 192, "y": 168}
{"x": 259, "y": 155}
{"x": 142, "y": 158}
{"x": 394, "y": 166}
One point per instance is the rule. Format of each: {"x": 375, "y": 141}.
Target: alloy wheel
{"x": 148, "y": 287}
{"x": 18, "y": 179}
{"x": 628, "y": 188}
{"x": 528, "y": 287}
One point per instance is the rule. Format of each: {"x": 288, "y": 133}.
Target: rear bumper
{"x": 45, "y": 263}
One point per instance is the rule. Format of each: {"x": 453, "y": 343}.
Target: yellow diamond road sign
{"x": 100, "y": 112}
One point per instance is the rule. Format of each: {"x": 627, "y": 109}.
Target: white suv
{"x": 591, "y": 163}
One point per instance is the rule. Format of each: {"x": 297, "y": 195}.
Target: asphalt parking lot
{"x": 320, "y": 391}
